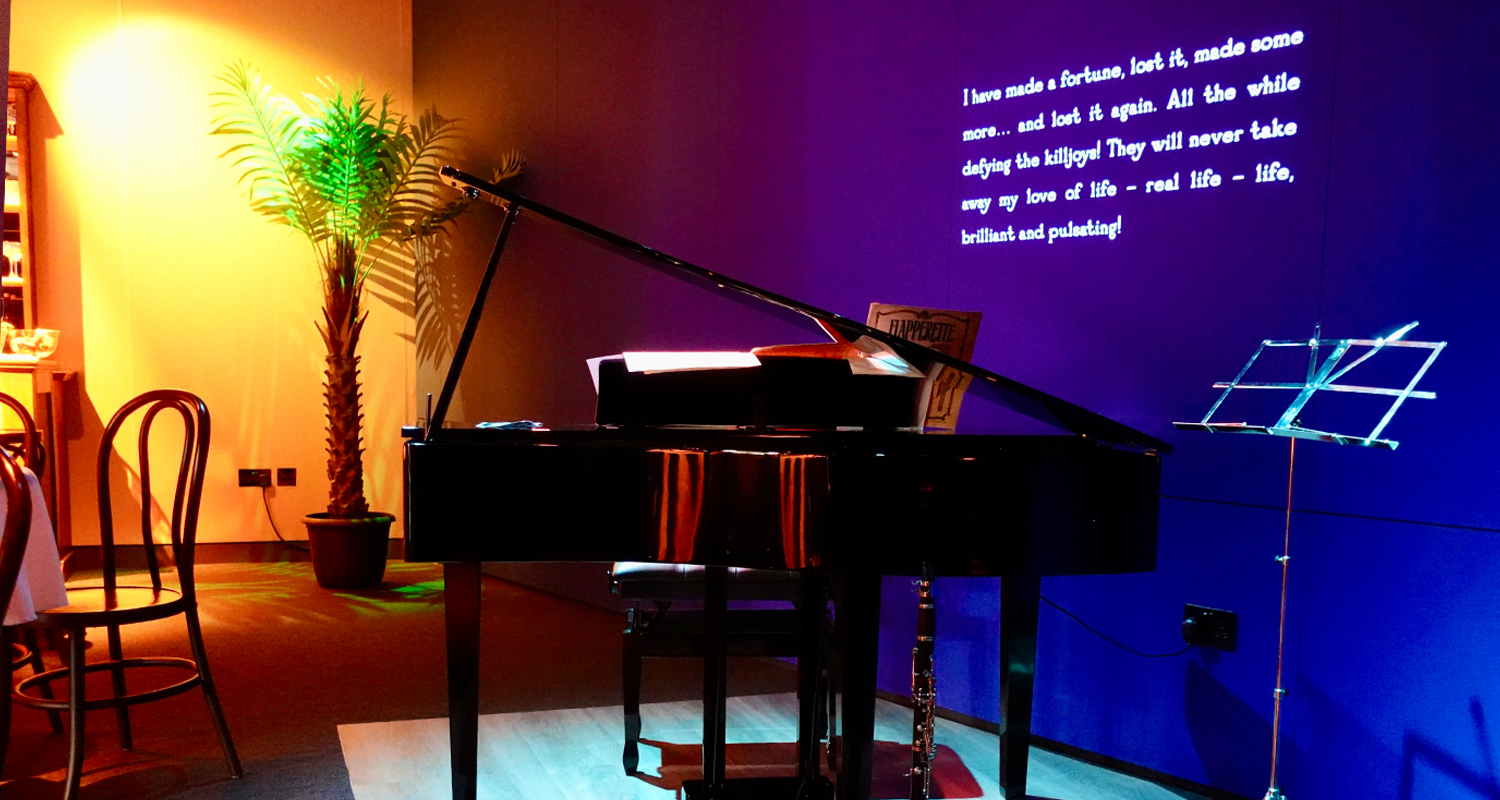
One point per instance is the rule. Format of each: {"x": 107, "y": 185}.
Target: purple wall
{"x": 814, "y": 149}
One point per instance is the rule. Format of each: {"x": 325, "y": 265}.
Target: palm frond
{"x": 348, "y": 172}
{"x": 418, "y": 194}
{"x": 345, "y": 159}
{"x": 271, "y": 129}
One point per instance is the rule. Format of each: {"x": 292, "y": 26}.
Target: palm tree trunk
{"x": 342, "y": 322}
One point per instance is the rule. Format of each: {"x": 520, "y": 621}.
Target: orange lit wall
{"x": 155, "y": 270}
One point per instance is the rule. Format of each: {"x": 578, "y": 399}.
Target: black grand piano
{"x": 845, "y": 506}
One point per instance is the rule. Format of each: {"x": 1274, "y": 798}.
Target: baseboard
{"x": 1087, "y": 756}
{"x": 133, "y": 557}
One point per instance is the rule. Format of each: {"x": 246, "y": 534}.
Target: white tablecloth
{"x": 40, "y": 586}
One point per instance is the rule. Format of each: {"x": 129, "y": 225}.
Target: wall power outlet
{"x": 255, "y": 477}
{"x": 1210, "y": 627}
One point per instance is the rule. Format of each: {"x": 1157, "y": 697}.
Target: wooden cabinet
{"x": 38, "y": 384}
{"x": 18, "y": 266}
{"x": 47, "y": 393}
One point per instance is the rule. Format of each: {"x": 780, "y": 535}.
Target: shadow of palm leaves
{"x": 439, "y": 308}
{"x": 406, "y": 277}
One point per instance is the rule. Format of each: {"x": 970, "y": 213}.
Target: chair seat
{"x": 649, "y": 580}
{"x": 90, "y": 606}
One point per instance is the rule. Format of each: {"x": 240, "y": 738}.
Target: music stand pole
{"x": 1274, "y": 793}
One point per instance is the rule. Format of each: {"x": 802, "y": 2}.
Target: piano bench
{"x": 749, "y": 632}
{"x": 652, "y": 582}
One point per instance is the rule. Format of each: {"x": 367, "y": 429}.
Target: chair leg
{"x": 200, "y": 654}
{"x": 29, "y": 638}
{"x": 117, "y": 681}
{"x": 631, "y": 673}
{"x": 6, "y": 671}
{"x": 76, "y": 683}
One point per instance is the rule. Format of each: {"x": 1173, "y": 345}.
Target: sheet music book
{"x": 949, "y": 332}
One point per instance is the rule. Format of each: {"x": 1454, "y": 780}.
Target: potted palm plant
{"x": 355, "y": 178}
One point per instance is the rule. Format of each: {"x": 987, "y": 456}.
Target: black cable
{"x": 267, "y": 503}
{"x": 1090, "y": 629}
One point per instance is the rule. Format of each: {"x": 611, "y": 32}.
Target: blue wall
{"x": 810, "y": 148}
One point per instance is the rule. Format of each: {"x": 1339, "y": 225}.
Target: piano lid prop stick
{"x": 461, "y": 351}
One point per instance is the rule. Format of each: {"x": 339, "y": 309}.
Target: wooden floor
{"x": 575, "y": 754}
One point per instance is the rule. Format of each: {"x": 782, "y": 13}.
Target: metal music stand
{"x": 1321, "y": 377}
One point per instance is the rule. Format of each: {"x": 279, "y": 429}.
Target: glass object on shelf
{"x": 12, "y": 178}
{"x": 11, "y": 266}
{"x": 38, "y": 343}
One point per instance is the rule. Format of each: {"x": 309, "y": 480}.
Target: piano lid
{"x": 997, "y": 388}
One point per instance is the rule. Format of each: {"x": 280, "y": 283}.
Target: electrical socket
{"x": 1210, "y": 627}
{"x": 255, "y": 477}
{"x": 286, "y": 476}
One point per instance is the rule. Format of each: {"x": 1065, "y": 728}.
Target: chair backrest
{"x": 15, "y": 531}
{"x": 183, "y": 514}
{"x": 30, "y": 453}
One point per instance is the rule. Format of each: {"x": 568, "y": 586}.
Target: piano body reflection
{"x": 845, "y": 506}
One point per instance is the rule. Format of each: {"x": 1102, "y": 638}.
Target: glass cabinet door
{"x": 17, "y": 267}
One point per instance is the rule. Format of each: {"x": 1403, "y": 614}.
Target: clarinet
{"x": 923, "y": 690}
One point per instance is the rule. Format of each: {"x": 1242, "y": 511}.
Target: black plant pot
{"x": 349, "y": 553}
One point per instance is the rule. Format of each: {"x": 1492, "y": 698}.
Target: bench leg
{"x": 631, "y": 674}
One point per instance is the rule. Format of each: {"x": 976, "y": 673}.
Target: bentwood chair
{"x": 116, "y": 600}
{"x": 12, "y": 550}
{"x": 28, "y": 451}
{"x": 24, "y": 649}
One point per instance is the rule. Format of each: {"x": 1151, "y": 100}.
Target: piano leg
{"x": 813, "y": 608}
{"x": 461, "y": 615}
{"x": 715, "y": 685}
{"x": 1019, "y": 603}
{"x": 857, "y": 614}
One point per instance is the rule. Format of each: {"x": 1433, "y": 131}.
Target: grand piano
{"x": 845, "y": 505}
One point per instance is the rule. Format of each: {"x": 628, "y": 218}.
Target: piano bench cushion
{"x": 645, "y": 580}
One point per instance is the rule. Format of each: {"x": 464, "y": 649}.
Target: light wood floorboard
{"x": 574, "y": 754}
